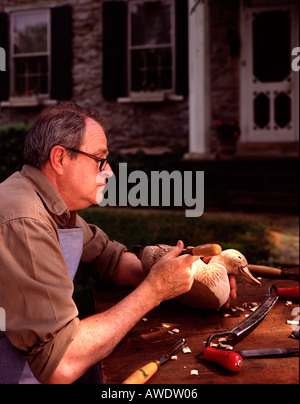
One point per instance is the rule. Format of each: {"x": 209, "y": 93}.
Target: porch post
{"x": 199, "y": 80}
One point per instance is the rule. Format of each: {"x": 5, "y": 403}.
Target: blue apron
{"x": 14, "y": 369}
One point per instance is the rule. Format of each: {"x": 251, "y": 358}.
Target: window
{"x": 145, "y": 50}
{"x": 30, "y": 52}
{"x": 39, "y": 44}
{"x": 151, "y": 55}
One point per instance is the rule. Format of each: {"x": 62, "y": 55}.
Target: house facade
{"x": 161, "y": 71}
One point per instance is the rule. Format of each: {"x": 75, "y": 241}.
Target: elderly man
{"x": 42, "y": 242}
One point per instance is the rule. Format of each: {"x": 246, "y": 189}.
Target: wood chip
{"x": 186, "y": 350}
{"x": 174, "y": 358}
{"x": 194, "y": 372}
{"x": 226, "y": 346}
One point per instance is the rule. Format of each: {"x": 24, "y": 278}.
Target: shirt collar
{"x": 47, "y": 192}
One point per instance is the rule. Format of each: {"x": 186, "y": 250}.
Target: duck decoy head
{"x": 236, "y": 263}
{"x": 246, "y": 274}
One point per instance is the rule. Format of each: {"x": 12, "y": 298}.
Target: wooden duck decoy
{"x": 211, "y": 287}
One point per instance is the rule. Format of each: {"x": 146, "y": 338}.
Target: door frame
{"x": 248, "y": 134}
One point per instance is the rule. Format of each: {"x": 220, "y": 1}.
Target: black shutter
{"x": 4, "y": 43}
{"x": 61, "y": 53}
{"x": 114, "y": 49}
{"x": 181, "y": 40}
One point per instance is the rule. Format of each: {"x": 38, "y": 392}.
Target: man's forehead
{"x": 95, "y": 136}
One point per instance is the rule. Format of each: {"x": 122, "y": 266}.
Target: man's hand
{"x": 172, "y": 275}
{"x": 233, "y": 289}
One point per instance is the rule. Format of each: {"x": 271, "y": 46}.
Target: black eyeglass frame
{"x": 103, "y": 162}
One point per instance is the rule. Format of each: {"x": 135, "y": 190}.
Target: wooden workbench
{"x": 148, "y": 340}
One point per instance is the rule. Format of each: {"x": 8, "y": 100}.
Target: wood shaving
{"x": 174, "y": 358}
{"x": 240, "y": 308}
{"x": 288, "y": 303}
{"x": 175, "y": 330}
{"x": 226, "y": 315}
{"x": 186, "y": 350}
{"x": 292, "y": 322}
{"x": 226, "y": 346}
{"x": 194, "y": 372}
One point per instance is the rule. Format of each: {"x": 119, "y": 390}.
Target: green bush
{"x": 143, "y": 227}
{"x": 12, "y": 137}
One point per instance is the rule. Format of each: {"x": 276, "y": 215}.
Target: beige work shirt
{"x": 35, "y": 287}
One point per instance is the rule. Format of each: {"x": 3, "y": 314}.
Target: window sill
{"x": 26, "y": 101}
{"x": 150, "y": 96}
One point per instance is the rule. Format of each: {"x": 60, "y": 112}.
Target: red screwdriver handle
{"x": 228, "y": 359}
{"x": 288, "y": 293}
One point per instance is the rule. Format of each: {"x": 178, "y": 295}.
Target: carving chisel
{"x": 204, "y": 250}
{"x": 272, "y": 272}
{"x": 142, "y": 375}
{"x": 233, "y": 360}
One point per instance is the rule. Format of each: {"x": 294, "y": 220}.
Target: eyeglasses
{"x": 103, "y": 162}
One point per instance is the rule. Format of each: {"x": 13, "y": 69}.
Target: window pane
{"x": 30, "y": 32}
{"x": 151, "y": 22}
{"x": 271, "y": 46}
{"x": 151, "y": 69}
{"x": 282, "y": 109}
{"x": 31, "y": 75}
{"x": 261, "y": 110}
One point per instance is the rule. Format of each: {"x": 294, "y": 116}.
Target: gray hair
{"x": 61, "y": 124}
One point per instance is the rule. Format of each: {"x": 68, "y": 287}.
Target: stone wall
{"x": 155, "y": 127}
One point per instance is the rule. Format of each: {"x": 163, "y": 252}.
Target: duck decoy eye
{"x": 239, "y": 257}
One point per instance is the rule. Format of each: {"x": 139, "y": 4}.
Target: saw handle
{"x": 142, "y": 375}
{"x": 227, "y": 359}
{"x": 288, "y": 293}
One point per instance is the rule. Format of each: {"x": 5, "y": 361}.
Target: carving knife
{"x": 229, "y": 359}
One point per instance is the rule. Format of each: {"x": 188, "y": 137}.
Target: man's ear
{"x": 57, "y": 155}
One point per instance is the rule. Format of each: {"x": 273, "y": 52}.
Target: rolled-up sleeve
{"x": 36, "y": 294}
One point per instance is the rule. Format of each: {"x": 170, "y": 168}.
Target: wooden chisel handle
{"x": 142, "y": 375}
{"x": 204, "y": 250}
{"x": 270, "y": 271}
